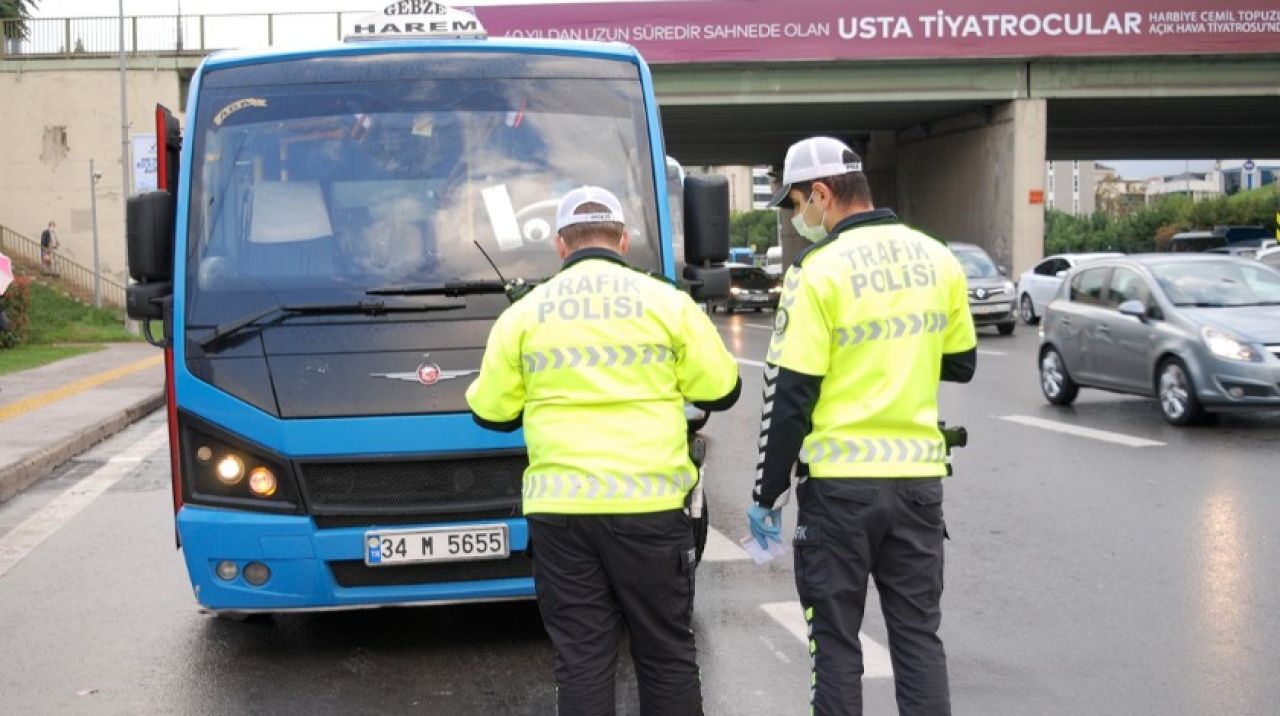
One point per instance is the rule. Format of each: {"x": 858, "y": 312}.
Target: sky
{"x": 1129, "y": 169}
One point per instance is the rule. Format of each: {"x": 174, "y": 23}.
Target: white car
{"x": 1270, "y": 257}
{"x": 1038, "y": 284}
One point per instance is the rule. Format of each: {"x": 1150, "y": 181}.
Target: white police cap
{"x": 567, "y": 213}
{"x": 814, "y": 158}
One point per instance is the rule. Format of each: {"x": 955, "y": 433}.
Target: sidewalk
{"x": 50, "y": 414}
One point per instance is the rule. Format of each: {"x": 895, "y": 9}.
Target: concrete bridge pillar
{"x": 879, "y": 163}
{"x": 971, "y": 178}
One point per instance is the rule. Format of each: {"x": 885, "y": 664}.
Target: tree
{"x": 757, "y": 229}
{"x": 14, "y": 15}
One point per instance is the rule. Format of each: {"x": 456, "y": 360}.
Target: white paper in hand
{"x": 760, "y": 555}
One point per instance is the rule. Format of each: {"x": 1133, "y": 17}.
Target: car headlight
{"x": 1009, "y": 287}
{"x": 735, "y": 290}
{"x": 1225, "y": 345}
{"x": 775, "y": 289}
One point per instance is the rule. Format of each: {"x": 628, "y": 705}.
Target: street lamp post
{"x": 94, "y": 176}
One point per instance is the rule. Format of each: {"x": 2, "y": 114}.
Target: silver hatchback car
{"x": 1200, "y": 332}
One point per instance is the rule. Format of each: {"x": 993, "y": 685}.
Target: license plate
{"x": 992, "y": 308}
{"x": 757, "y": 297}
{"x": 438, "y": 544}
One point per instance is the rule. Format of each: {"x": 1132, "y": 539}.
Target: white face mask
{"x": 812, "y": 233}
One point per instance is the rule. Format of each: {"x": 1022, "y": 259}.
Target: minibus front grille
{"x": 450, "y": 486}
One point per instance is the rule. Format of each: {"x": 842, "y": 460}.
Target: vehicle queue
{"x": 1197, "y": 330}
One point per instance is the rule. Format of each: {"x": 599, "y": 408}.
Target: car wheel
{"x": 1006, "y": 329}
{"x": 1027, "y": 311}
{"x": 1177, "y": 394}
{"x": 1055, "y": 381}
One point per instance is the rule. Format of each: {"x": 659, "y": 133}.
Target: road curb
{"x": 18, "y": 476}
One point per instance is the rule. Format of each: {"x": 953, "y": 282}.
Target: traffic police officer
{"x": 597, "y": 364}
{"x": 871, "y": 316}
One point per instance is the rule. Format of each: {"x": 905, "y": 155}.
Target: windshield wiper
{"x": 1199, "y": 304}
{"x": 452, "y": 289}
{"x": 367, "y": 307}
{"x": 1255, "y": 303}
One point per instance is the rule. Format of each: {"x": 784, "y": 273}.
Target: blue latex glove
{"x": 765, "y": 525}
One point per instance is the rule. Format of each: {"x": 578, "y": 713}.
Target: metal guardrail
{"x": 151, "y": 34}
{"x": 15, "y": 245}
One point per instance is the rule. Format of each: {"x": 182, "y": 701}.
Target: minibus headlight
{"x": 230, "y": 469}
{"x": 262, "y": 482}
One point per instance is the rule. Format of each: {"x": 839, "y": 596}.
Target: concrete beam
{"x": 1189, "y": 76}
{"x": 839, "y": 82}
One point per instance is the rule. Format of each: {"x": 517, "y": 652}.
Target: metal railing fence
{"x": 19, "y": 247}
{"x": 151, "y": 34}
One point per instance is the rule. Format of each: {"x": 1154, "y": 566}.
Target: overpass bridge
{"x": 954, "y": 112}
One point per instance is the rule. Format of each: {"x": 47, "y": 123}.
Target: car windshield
{"x": 751, "y": 277}
{"x": 320, "y": 192}
{"x": 976, "y": 263}
{"x": 1218, "y": 284}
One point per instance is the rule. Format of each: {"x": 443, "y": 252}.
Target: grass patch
{"x": 29, "y": 356}
{"x": 58, "y": 318}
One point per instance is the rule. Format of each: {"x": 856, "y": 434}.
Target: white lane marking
{"x": 752, "y": 363}
{"x": 1092, "y": 434}
{"x": 985, "y": 352}
{"x": 761, "y": 326}
{"x": 34, "y": 530}
{"x": 722, "y": 549}
{"x": 875, "y": 658}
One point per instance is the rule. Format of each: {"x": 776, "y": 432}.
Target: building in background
{"x": 1249, "y": 174}
{"x": 1069, "y": 186}
{"x": 748, "y": 186}
{"x": 1115, "y": 195}
{"x": 761, "y": 188}
{"x": 1197, "y": 185}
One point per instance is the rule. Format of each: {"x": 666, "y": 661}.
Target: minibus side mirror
{"x": 706, "y": 237}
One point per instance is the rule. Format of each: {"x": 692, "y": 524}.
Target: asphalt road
{"x": 1118, "y": 572}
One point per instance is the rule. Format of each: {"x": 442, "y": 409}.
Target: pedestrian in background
{"x": 871, "y": 316}
{"x": 48, "y": 244}
{"x": 597, "y": 364}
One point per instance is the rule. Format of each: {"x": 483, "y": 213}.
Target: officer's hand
{"x": 765, "y": 525}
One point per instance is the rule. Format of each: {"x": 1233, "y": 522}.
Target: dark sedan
{"x": 751, "y": 288}
{"x": 1199, "y": 332}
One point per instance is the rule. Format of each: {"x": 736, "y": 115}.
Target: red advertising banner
{"x": 766, "y": 30}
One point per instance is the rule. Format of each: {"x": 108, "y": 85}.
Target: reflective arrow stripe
{"x": 637, "y": 354}
{"x": 605, "y": 487}
{"x": 878, "y": 450}
{"x": 907, "y": 324}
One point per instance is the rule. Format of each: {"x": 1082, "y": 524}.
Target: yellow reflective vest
{"x": 871, "y": 311}
{"x": 600, "y": 361}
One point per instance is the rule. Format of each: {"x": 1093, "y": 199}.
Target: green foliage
{"x": 27, "y": 357}
{"x": 16, "y": 13}
{"x": 58, "y": 318}
{"x": 1147, "y": 229}
{"x": 757, "y": 229}
{"x": 16, "y": 305}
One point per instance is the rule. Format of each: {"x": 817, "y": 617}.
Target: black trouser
{"x": 595, "y": 573}
{"x": 847, "y": 530}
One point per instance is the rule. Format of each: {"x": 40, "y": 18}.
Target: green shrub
{"x": 1149, "y": 228}
{"x": 16, "y": 305}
